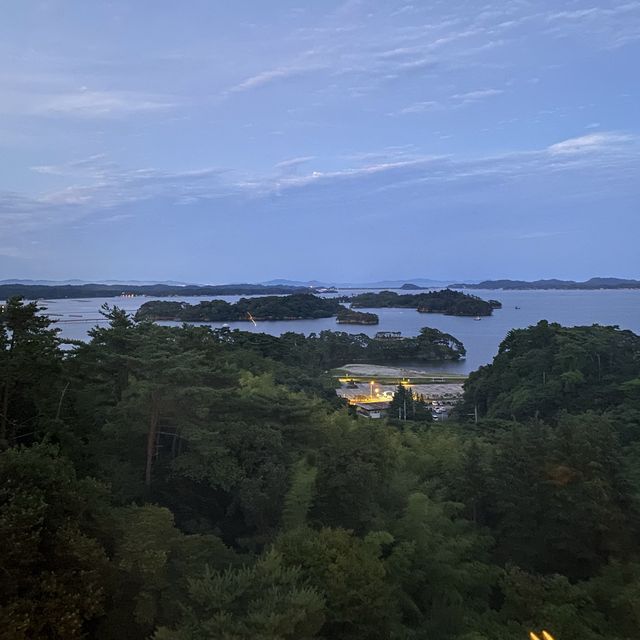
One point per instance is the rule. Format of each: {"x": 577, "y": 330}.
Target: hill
{"x": 593, "y": 283}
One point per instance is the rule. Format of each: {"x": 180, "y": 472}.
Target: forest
{"x": 453, "y": 303}
{"x": 180, "y": 483}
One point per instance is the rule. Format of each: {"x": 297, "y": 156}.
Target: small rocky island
{"x": 351, "y": 316}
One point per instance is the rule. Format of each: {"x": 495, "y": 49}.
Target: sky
{"x": 347, "y": 140}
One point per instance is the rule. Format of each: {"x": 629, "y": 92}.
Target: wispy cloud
{"x": 475, "y": 96}
{"x": 589, "y": 143}
{"x": 264, "y": 78}
{"x": 271, "y": 76}
{"x": 293, "y": 164}
{"x": 91, "y": 104}
{"x": 107, "y": 185}
{"x": 612, "y": 26}
{"x": 455, "y": 101}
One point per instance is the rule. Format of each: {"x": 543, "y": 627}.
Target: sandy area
{"x": 393, "y": 372}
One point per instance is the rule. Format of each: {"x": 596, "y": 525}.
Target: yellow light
{"x": 533, "y": 636}
{"x": 547, "y": 636}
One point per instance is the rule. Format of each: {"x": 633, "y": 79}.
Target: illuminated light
{"x": 533, "y": 636}
{"x": 547, "y": 636}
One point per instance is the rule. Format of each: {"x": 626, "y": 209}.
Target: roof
{"x": 372, "y": 406}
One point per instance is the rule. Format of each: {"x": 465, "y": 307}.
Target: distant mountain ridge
{"x": 78, "y": 282}
{"x": 95, "y": 290}
{"x": 553, "y": 283}
{"x": 420, "y": 283}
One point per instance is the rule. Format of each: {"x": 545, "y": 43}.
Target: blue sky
{"x": 349, "y": 140}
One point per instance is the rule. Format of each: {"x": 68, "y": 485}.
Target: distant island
{"x": 52, "y": 292}
{"x": 446, "y": 301}
{"x": 351, "y": 316}
{"x": 299, "y": 306}
{"x": 593, "y": 283}
{"x": 306, "y": 306}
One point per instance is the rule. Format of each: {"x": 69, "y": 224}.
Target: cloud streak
{"x": 100, "y": 185}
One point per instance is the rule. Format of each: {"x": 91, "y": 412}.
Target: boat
{"x": 477, "y": 318}
{"x": 517, "y": 307}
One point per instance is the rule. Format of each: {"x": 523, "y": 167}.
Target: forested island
{"x": 297, "y": 306}
{"x": 181, "y": 483}
{"x": 330, "y": 349}
{"x": 593, "y": 283}
{"x": 53, "y": 292}
{"x": 351, "y": 316}
{"x": 453, "y": 303}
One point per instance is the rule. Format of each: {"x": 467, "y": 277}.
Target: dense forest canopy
{"x": 454, "y": 303}
{"x": 329, "y": 349}
{"x": 548, "y": 368}
{"x": 179, "y": 483}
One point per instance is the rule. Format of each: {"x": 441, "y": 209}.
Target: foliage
{"x": 548, "y": 368}
{"x": 453, "y": 303}
{"x": 351, "y": 316}
{"x": 292, "y": 307}
{"x": 265, "y": 601}
{"x": 30, "y": 376}
{"x": 329, "y": 349}
{"x": 53, "y": 566}
{"x": 407, "y": 405}
{"x": 180, "y": 483}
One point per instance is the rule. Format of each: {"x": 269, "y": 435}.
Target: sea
{"x": 620, "y": 307}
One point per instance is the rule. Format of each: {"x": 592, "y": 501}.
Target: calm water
{"x": 481, "y": 338}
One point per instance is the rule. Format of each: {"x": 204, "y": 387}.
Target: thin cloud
{"x": 271, "y": 76}
{"x": 293, "y": 163}
{"x": 100, "y": 104}
{"x": 476, "y": 96}
{"x": 607, "y": 158}
{"x": 418, "y": 107}
{"x": 588, "y": 143}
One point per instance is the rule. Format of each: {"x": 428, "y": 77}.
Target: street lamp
{"x": 371, "y": 388}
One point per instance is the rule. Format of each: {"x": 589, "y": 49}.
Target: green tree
{"x": 440, "y": 565}
{"x": 54, "y": 568}
{"x": 407, "y": 405}
{"x": 350, "y": 574}
{"x": 29, "y": 371}
{"x": 264, "y": 601}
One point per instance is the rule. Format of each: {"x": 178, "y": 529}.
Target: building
{"x": 388, "y": 335}
{"x": 374, "y": 410}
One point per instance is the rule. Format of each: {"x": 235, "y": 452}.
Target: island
{"x": 300, "y": 306}
{"x": 351, "y": 316}
{"x": 446, "y": 301}
{"x": 593, "y": 283}
{"x": 329, "y": 349}
{"x": 53, "y": 292}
